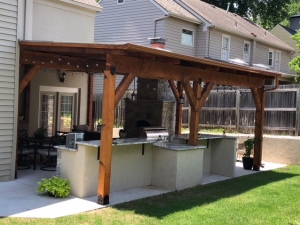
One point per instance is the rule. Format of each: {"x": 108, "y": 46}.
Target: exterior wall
{"x": 236, "y": 44}
{"x": 201, "y": 41}
{"x": 47, "y": 78}
{"x": 131, "y": 28}
{"x": 173, "y": 29}
{"x": 57, "y": 21}
{"x": 262, "y": 52}
{"x": 8, "y": 86}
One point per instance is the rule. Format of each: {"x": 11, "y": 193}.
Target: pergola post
{"x": 259, "y": 100}
{"x": 90, "y": 101}
{"x": 179, "y": 106}
{"x": 108, "y": 106}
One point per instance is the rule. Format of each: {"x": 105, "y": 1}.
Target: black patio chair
{"x": 50, "y": 153}
{"x": 25, "y": 150}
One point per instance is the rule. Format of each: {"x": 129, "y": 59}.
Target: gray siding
{"x": 262, "y": 52}
{"x": 131, "y": 22}
{"x": 236, "y": 44}
{"x": 173, "y": 29}
{"x": 8, "y": 42}
{"x": 201, "y": 41}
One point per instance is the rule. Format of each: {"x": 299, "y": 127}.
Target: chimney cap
{"x": 157, "y": 40}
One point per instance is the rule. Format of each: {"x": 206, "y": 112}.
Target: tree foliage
{"x": 295, "y": 63}
{"x": 292, "y": 9}
{"x": 268, "y": 13}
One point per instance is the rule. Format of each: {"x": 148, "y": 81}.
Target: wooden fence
{"x": 233, "y": 109}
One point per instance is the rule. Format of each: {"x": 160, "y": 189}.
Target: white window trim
{"x": 279, "y": 63}
{"x": 249, "y": 43}
{"x": 225, "y": 36}
{"x": 273, "y": 55}
{"x": 193, "y": 36}
{"x": 120, "y": 3}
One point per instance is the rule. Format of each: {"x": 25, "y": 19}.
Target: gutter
{"x": 272, "y": 89}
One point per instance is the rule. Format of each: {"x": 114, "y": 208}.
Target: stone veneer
{"x": 154, "y": 112}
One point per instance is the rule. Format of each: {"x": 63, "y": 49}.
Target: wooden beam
{"x": 56, "y": 61}
{"x": 178, "y": 122}
{"x": 123, "y": 87}
{"x": 195, "y": 115}
{"x": 189, "y": 93}
{"x": 108, "y": 106}
{"x": 174, "y": 90}
{"x": 205, "y": 93}
{"x": 158, "y": 70}
{"x": 28, "y": 77}
{"x": 90, "y": 101}
{"x": 259, "y": 99}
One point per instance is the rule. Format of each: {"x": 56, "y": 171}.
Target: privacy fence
{"x": 233, "y": 109}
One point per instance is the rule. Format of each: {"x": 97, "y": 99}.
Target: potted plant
{"x": 247, "y": 159}
{"x": 55, "y": 187}
{"x": 40, "y": 133}
{"x": 122, "y": 133}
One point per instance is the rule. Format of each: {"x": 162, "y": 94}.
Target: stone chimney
{"x": 295, "y": 22}
{"x": 157, "y": 42}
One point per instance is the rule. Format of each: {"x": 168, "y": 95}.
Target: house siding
{"x": 262, "y": 52}
{"x": 201, "y": 41}
{"x": 173, "y": 30}
{"x": 50, "y": 78}
{"x": 55, "y": 21}
{"x": 8, "y": 70}
{"x": 120, "y": 23}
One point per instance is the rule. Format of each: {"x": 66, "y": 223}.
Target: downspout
{"x": 158, "y": 19}
{"x": 274, "y": 88}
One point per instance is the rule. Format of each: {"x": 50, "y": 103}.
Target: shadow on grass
{"x": 165, "y": 204}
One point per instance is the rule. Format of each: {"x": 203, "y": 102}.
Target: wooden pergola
{"x": 133, "y": 60}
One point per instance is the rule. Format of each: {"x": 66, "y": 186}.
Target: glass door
{"x": 48, "y": 103}
{"x": 66, "y": 112}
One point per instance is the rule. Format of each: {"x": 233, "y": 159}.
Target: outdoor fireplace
{"x": 155, "y": 107}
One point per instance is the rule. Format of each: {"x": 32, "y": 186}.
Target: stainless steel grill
{"x": 154, "y": 132}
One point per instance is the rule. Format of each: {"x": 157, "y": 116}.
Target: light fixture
{"x": 133, "y": 95}
{"x": 181, "y": 100}
{"x": 63, "y": 77}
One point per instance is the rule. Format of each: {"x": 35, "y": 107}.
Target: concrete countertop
{"x": 176, "y": 146}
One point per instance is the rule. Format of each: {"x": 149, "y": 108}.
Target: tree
{"x": 293, "y": 9}
{"x": 295, "y": 63}
{"x": 268, "y": 13}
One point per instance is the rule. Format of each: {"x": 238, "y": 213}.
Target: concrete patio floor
{"x": 18, "y": 198}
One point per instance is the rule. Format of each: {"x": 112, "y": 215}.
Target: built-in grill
{"x": 154, "y": 133}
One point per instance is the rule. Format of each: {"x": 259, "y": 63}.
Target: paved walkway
{"x": 19, "y": 199}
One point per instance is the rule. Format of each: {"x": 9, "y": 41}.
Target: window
{"x": 120, "y": 1}
{"x": 246, "y": 52}
{"x": 225, "y": 47}
{"x": 277, "y": 61}
{"x": 187, "y": 37}
{"x": 271, "y": 57}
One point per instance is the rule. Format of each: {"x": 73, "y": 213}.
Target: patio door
{"x": 66, "y": 112}
{"x": 58, "y": 111}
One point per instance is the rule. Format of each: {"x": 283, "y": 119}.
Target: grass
{"x": 263, "y": 198}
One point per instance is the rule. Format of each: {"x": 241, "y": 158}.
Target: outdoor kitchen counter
{"x": 139, "y": 162}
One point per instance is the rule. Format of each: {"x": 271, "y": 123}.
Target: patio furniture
{"x": 24, "y": 152}
{"x": 51, "y": 153}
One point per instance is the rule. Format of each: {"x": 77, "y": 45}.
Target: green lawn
{"x": 271, "y": 197}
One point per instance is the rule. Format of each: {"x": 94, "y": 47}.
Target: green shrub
{"x": 58, "y": 187}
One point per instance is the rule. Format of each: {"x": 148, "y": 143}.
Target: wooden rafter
{"x": 123, "y": 86}
{"x": 28, "y": 77}
{"x": 158, "y": 70}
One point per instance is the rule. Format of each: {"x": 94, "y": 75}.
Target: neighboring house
{"x": 194, "y": 28}
{"x": 44, "y": 20}
{"x": 284, "y": 34}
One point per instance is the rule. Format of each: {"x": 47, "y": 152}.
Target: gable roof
{"x": 289, "y": 30}
{"x": 222, "y": 20}
{"x": 176, "y": 10}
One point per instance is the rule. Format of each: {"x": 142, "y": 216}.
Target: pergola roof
{"x": 143, "y": 61}
{"x": 134, "y": 60}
